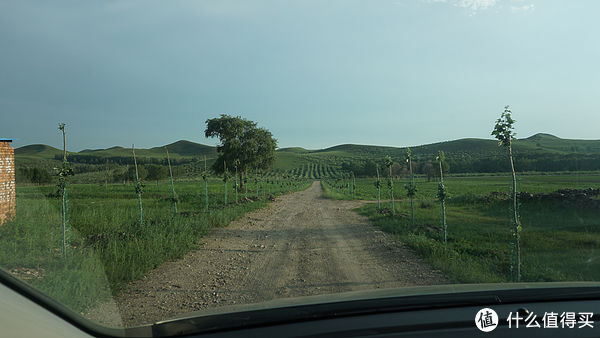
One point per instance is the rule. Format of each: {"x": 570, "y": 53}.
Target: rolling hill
{"x": 463, "y": 152}
{"x": 187, "y": 148}
{"x": 176, "y": 150}
{"x": 538, "y": 152}
{"x": 37, "y": 151}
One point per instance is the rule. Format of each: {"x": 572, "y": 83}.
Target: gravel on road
{"x": 300, "y": 245}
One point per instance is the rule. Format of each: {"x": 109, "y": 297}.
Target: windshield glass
{"x": 158, "y": 158}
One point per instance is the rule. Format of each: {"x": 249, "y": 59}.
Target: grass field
{"x": 459, "y": 187}
{"x": 108, "y": 246}
{"x": 560, "y": 241}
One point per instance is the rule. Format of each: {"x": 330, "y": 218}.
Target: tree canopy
{"x": 503, "y": 129}
{"x": 156, "y": 172}
{"x": 242, "y": 144}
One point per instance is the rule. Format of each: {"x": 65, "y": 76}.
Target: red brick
{"x": 7, "y": 182}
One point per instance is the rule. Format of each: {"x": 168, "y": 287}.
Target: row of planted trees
{"x": 411, "y": 187}
{"x": 503, "y": 131}
{"x": 266, "y": 184}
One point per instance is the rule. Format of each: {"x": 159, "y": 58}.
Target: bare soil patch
{"x": 299, "y": 245}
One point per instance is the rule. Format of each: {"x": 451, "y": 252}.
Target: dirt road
{"x": 299, "y": 245}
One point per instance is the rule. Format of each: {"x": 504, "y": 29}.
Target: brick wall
{"x": 7, "y": 182}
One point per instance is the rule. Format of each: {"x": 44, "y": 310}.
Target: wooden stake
{"x": 106, "y": 177}
{"x": 137, "y": 188}
{"x": 172, "y": 184}
{"x": 135, "y": 163}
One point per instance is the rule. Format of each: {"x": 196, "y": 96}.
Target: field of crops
{"x": 315, "y": 170}
{"x": 108, "y": 246}
{"x": 559, "y": 240}
{"x": 464, "y": 186}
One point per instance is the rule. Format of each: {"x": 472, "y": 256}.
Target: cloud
{"x": 474, "y": 6}
{"x": 521, "y": 9}
{"x": 471, "y": 5}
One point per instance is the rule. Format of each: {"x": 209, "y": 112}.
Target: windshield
{"x": 159, "y": 158}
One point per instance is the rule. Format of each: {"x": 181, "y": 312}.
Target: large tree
{"x": 243, "y": 144}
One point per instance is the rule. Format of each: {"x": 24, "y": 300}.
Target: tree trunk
{"x": 378, "y": 190}
{"x": 139, "y": 195}
{"x": 392, "y": 192}
{"x": 174, "y": 201}
{"x": 412, "y": 200}
{"x": 443, "y": 206}
{"x": 516, "y": 233}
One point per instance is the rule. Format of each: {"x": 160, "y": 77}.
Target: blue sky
{"x": 315, "y": 73}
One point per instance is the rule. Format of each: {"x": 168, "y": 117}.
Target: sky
{"x": 315, "y": 73}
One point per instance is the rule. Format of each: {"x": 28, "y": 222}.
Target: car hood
{"x": 370, "y": 301}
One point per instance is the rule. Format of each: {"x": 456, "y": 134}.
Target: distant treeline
{"x": 121, "y": 160}
{"x": 464, "y": 163}
{"x": 526, "y": 162}
{"x": 33, "y": 175}
{"x": 111, "y": 173}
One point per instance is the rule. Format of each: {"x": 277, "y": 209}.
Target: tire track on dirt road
{"x": 299, "y": 245}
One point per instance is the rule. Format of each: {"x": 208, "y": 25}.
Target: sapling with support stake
{"x": 138, "y": 189}
{"x": 205, "y": 179}
{"x": 256, "y": 183}
{"x": 173, "y": 195}
{"x": 411, "y": 188}
{"x": 225, "y": 178}
{"x": 441, "y": 194}
{"x": 236, "y": 163}
{"x": 353, "y": 185}
{"x": 378, "y": 186}
{"x": 245, "y": 186}
{"x": 388, "y": 163}
{"x": 106, "y": 175}
{"x": 64, "y": 172}
{"x": 262, "y": 183}
{"x": 347, "y": 175}
{"x": 503, "y": 131}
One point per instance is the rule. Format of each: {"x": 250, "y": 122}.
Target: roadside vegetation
{"x": 84, "y": 246}
{"x": 559, "y": 243}
{"x": 108, "y": 247}
{"x": 129, "y": 210}
{"x": 477, "y": 234}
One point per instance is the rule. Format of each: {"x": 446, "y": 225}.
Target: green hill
{"x": 540, "y": 152}
{"x": 187, "y": 148}
{"x": 179, "y": 149}
{"x": 552, "y": 143}
{"x": 298, "y": 150}
{"x": 40, "y": 151}
{"x": 472, "y": 146}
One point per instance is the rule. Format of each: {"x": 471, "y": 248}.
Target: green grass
{"x": 109, "y": 249}
{"x": 559, "y": 241}
{"x": 474, "y": 186}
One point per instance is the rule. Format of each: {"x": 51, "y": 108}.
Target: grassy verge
{"x": 466, "y": 186}
{"x": 109, "y": 249}
{"x": 559, "y": 241}
{"x": 331, "y": 193}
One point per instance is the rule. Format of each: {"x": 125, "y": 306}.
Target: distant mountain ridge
{"x": 538, "y": 143}
{"x": 187, "y": 148}
{"x": 37, "y": 151}
{"x": 180, "y": 148}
